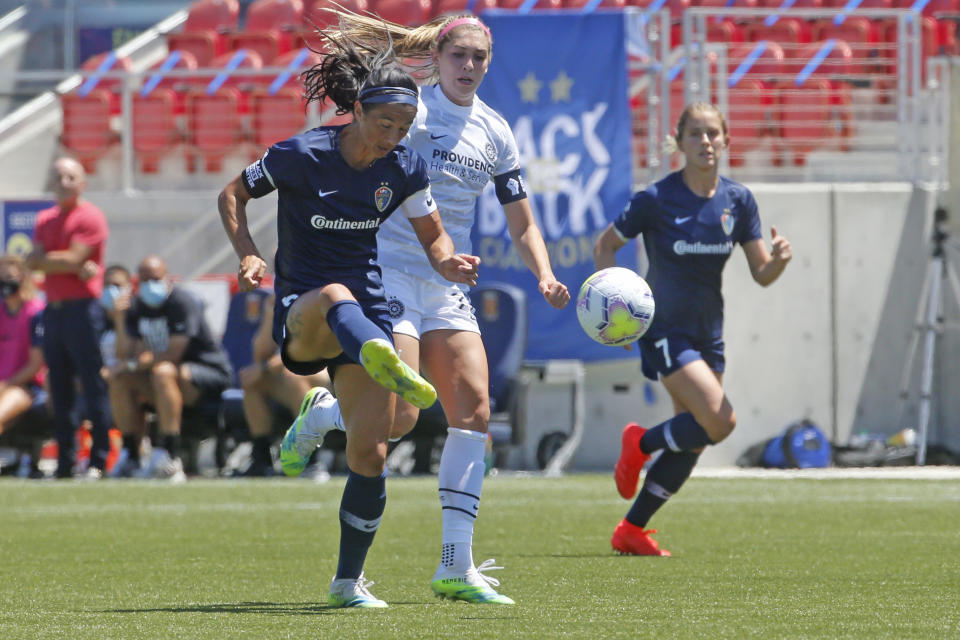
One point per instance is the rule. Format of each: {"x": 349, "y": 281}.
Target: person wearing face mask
{"x": 21, "y": 350}
{"x": 167, "y": 359}
{"x": 70, "y": 241}
{"x": 117, "y": 289}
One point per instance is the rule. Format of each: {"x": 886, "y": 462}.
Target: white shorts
{"x": 417, "y": 306}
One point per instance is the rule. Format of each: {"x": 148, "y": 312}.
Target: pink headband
{"x": 462, "y": 21}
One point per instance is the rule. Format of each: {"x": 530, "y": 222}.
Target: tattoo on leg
{"x": 295, "y": 324}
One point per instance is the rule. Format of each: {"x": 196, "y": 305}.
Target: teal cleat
{"x": 383, "y": 364}
{"x": 349, "y": 593}
{"x": 473, "y": 586}
{"x": 307, "y": 431}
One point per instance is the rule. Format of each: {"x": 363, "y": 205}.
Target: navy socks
{"x": 352, "y": 327}
{"x": 679, "y": 433}
{"x": 361, "y": 509}
{"x": 665, "y": 477}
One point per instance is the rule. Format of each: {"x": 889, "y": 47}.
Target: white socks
{"x": 461, "y": 482}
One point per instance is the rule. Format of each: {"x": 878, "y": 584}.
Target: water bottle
{"x": 23, "y": 470}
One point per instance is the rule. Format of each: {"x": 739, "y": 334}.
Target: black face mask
{"x": 8, "y": 288}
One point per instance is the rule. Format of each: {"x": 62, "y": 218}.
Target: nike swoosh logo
{"x": 370, "y": 526}
{"x": 324, "y": 194}
{"x": 433, "y": 137}
{"x": 286, "y": 301}
{"x": 682, "y": 220}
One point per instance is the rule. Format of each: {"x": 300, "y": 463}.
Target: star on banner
{"x": 560, "y": 87}
{"x": 529, "y": 87}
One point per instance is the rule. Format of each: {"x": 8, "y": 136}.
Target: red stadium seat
{"x": 725, "y": 30}
{"x": 105, "y": 63}
{"x": 804, "y": 113}
{"x": 276, "y": 116}
{"x": 183, "y": 61}
{"x": 203, "y": 33}
{"x": 676, "y": 7}
{"x": 814, "y": 115}
{"x": 406, "y": 12}
{"x": 214, "y": 125}
{"x": 935, "y": 37}
{"x": 290, "y": 77}
{"x": 204, "y": 46}
{"x": 576, "y": 4}
{"x": 314, "y": 15}
{"x": 722, "y": 4}
{"x": 932, "y": 8}
{"x": 787, "y": 32}
{"x": 222, "y": 72}
{"x": 768, "y": 65}
{"x": 154, "y": 128}
{"x": 799, "y": 4}
{"x": 836, "y": 66}
{"x": 856, "y": 31}
{"x": 864, "y": 4}
{"x": 750, "y": 116}
{"x": 86, "y": 126}
{"x": 542, "y": 4}
{"x": 215, "y": 15}
{"x": 947, "y": 38}
{"x": 441, "y": 7}
{"x": 269, "y": 29}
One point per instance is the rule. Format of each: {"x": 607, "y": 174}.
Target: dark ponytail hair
{"x": 347, "y": 69}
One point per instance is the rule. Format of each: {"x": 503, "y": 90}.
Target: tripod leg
{"x": 906, "y": 373}
{"x": 929, "y": 346}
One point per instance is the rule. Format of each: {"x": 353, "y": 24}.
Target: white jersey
{"x": 464, "y": 148}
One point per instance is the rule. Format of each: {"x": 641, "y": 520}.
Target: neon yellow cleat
{"x": 301, "y": 440}
{"x": 383, "y": 364}
{"x": 473, "y": 586}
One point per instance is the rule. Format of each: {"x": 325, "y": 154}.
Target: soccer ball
{"x": 615, "y": 306}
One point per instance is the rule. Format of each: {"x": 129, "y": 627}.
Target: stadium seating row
{"x": 203, "y": 97}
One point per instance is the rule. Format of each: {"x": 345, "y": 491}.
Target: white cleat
{"x": 350, "y": 593}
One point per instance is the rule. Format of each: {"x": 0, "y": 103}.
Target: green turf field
{"x": 753, "y": 558}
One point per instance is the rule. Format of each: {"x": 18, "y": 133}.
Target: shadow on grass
{"x": 259, "y": 608}
{"x": 277, "y": 608}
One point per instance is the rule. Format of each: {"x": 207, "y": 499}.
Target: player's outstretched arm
{"x": 529, "y": 243}
{"x": 232, "y": 205}
{"x": 766, "y": 267}
{"x": 455, "y": 267}
{"x": 606, "y": 247}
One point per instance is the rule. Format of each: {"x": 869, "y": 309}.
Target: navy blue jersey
{"x": 329, "y": 213}
{"x": 688, "y": 241}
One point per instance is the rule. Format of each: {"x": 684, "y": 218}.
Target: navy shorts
{"x": 376, "y": 312}
{"x": 662, "y": 356}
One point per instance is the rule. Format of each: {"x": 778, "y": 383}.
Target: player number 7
{"x": 662, "y": 343}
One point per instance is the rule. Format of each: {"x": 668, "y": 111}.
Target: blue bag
{"x": 801, "y": 446}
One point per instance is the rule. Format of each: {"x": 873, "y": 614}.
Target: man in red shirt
{"x": 69, "y": 244}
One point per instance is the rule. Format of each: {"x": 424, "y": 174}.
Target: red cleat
{"x": 631, "y": 540}
{"x": 632, "y": 459}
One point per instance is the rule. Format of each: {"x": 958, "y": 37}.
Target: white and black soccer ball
{"x": 615, "y": 306}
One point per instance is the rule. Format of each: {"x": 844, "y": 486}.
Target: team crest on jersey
{"x": 382, "y": 197}
{"x": 395, "y": 308}
{"x": 727, "y": 220}
{"x": 491, "y": 152}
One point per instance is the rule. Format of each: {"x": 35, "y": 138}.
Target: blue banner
{"x": 19, "y": 216}
{"x": 560, "y": 80}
